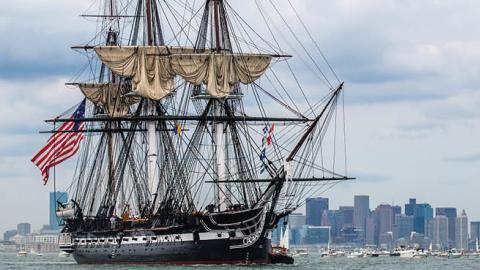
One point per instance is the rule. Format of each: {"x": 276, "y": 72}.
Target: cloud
{"x": 468, "y": 158}
{"x": 411, "y": 71}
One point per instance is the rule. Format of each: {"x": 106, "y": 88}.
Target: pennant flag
{"x": 62, "y": 145}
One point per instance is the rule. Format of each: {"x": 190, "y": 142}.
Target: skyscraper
{"x": 296, "y": 222}
{"x": 384, "y": 219}
{"x": 421, "y": 213}
{"x": 314, "y": 210}
{"x": 361, "y": 210}
{"x": 475, "y": 230}
{"x": 440, "y": 232}
{"x": 409, "y": 207}
{"x": 347, "y": 213}
{"x": 404, "y": 226}
{"x": 370, "y": 231}
{"x": 55, "y": 199}
{"x": 461, "y": 231}
{"x": 451, "y": 214}
{"x": 24, "y": 229}
{"x": 397, "y": 210}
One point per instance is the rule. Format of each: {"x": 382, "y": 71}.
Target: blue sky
{"x": 411, "y": 70}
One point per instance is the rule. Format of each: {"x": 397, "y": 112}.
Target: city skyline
{"x": 407, "y": 96}
{"x": 385, "y": 226}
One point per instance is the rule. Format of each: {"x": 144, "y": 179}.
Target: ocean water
{"x": 52, "y": 262}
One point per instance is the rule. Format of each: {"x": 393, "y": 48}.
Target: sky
{"x": 412, "y": 94}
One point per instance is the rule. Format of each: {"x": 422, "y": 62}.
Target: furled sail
{"x": 220, "y": 71}
{"x": 147, "y": 65}
{"x": 109, "y": 96}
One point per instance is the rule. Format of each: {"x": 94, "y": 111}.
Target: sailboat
{"x": 190, "y": 155}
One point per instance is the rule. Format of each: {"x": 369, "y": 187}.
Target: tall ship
{"x": 196, "y": 137}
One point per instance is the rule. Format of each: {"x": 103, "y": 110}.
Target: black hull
{"x": 176, "y": 253}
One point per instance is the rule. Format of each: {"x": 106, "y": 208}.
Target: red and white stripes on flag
{"x": 62, "y": 145}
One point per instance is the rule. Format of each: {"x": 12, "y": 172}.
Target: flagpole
{"x": 54, "y": 170}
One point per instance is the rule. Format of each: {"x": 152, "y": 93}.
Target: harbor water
{"x": 10, "y": 261}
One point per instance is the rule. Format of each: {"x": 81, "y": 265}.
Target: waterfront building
{"x": 461, "y": 231}
{"x": 44, "y": 243}
{"x": 333, "y": 219}
{"x": 440, "y": 231}
{"x": 24, "y": 228}
{"x": 55, "y": 199}
{"x": 451, "y": 214}
{"x": 314, "y": 210}
{"x": 316, "y": 235}
{"x": 296, "y": 220}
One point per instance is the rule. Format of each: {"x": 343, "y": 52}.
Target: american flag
{"x": 62, "y": 145}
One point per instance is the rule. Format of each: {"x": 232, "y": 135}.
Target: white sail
{"x": 285, "y": 241}
{"x": 109, "y": 96}
{"x": 148, "y": 66}
{"x": 220, "y": 71}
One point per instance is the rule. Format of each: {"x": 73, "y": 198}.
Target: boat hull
{"x": 176, "y": 253}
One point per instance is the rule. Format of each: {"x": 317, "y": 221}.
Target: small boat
{"x": 355, "y": 254}
{"x": 281, "y": 254}
{"x": 385, "y": 253}
{"x": 395, "y": 253}
{"x": 299, "y": 252}
{"x": 406, "y": 253}
{"x": 22, "y": 253}
{"x": 420, "y": 253}
{"x": 455, "y": 254}
{"x": 64, "y": 254}
{"x": 35, "y": 253}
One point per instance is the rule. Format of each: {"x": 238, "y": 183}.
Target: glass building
{"x": 55, "y": 199}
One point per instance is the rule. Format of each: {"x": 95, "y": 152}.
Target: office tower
{"x": 475, "y": 230}
{"x": 404, "y": 225}
{"x": 314, "y": 210}
{"x": 370, "y": 231}
{"x": 409, "y": 207}
{"x": 333, "y": 219}
{"x": 314, "y": 235}
{"x": 451, "y": 214}
{"x": 461, "y": 231}
{"x": 296, "y": 222}
{"x": 55, "y": 199}
{"x": 421, "y": 213}
{"x": 24, "y": 229}
{"x": 397, "y": 210}
{"x": 440, "y": 231}
{"x": 361, "y": 211}
{"x": 347, "y": 213}
{"x": 384, "y": 220}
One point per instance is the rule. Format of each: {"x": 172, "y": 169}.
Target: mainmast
{"x": 152, "y": 172}
{"x": 220, "y": 139}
